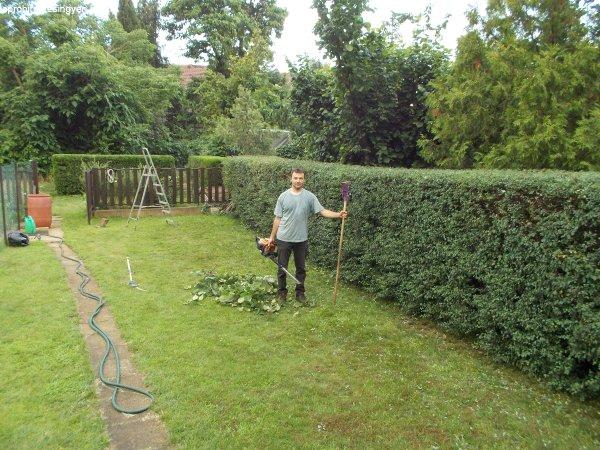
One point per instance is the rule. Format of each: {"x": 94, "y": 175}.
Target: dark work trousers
{"x": 300, "y": 250}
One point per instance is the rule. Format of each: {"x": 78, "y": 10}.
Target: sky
{"x": 297, "y": 37}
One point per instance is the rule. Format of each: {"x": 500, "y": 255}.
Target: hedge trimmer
{"x": 270, "y": 251}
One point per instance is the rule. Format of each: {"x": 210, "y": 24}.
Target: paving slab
{"x": 126, "y": 431}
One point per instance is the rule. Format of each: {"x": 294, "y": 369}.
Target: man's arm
{"x": 276, "y": 222}
{"x": 333, "y": 215}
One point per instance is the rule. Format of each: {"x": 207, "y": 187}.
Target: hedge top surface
{"x": 495, "y": 175}
{"x": 198, "y": 161}
{"x": 550, "y": 183}
{"x": 57, "y": 157}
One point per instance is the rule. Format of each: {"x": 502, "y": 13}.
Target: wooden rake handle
{"x": 339, "y": 260}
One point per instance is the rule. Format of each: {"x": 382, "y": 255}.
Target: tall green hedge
{"x": 67, "y": 168}
{"x": 208, "y": 161}
{"x": 205, "y": 161}
{"x": 510, "y": 259}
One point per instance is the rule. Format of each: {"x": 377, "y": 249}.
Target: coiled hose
{"x": 116, "y": 385}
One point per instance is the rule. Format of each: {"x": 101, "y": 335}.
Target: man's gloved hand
{"x": 270, "y": 245}
{"x": 267, "y": 245}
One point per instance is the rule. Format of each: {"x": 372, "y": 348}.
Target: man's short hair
{"x": 297, "y": 170}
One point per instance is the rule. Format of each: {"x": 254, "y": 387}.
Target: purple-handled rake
{"x": 346, "y": 198}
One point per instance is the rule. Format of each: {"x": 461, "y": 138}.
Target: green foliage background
{"x": 509, "y": 259}
{"x": 369, "y": 108}
{"x": 73, "y": 82}
{"x": 524, "y": 91}
{"x": 222, "y": 30}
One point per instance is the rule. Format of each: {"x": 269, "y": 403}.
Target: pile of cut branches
{"x": 246, "y": 292}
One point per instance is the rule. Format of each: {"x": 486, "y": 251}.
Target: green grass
{"x": 46, "y": 382}
{"x": 359, "y": 375}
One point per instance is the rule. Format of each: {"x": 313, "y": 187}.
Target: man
{"x": 290, "y": 230}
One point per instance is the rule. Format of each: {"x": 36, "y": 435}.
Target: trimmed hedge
{"x": 67, "y": 167}
{"x": 508, "y": 258}
{"x": 197, "y": 161}
{"x": 207, "y": 161}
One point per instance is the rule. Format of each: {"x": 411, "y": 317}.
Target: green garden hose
{"x": 116, "y": 385}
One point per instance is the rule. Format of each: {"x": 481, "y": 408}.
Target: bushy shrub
{"x": 208, "y": 161}
{"x": 243, "y": 131}
{"x": 205, "y": 161}
{"x": 293, "y": 150}
{"x": 510, "y": 259}
{"x": 68, "y": 167}
{"x": 519, "y": 100}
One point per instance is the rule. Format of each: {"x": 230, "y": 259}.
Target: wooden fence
{"x": 116, "y": 188}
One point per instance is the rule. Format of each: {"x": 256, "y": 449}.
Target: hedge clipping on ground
{"x": 510, "y": 259}
{"x": 67, "y": 168}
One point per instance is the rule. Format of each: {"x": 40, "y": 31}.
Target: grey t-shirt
{"x": 294, "y": 211}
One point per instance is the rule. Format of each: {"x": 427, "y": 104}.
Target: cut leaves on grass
{"x": 246, "y": 292}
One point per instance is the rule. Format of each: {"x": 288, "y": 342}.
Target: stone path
{"x": 126, "y": 431}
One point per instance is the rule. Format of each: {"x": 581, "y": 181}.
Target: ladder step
{"x": 150, "y": 171}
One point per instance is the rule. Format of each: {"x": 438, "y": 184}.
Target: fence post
{"x": 89, "y": 193}
{"x": 174, "y": 180}
{"x": 36, "y": 180}
{"x": 17, "y": 195}
{"x": 95, "y": 186}
{"x": 2, "y": 206}
{"x": 210, "y": 178}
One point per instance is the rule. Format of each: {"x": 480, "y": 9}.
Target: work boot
{"x": 282, "y": 297}
{"x": 301, "y": 298}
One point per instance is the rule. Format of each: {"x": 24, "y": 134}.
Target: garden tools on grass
{"x": 132, "y": 283}
{"x": 270, "y": 251}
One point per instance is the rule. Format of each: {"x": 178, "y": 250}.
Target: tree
{"x": 73, "y": 83}
{"x": 341, "y": 25}
{"x": 127, "y": 16}
{"x": 132, "y": 48}
{"x": 221, "y": 29}
{"x": 244, "y": 130}
{"x": 148, "y": 13}
{"x": 317, "y": 115}
{"x": 216, "y": 94}
{"x": 211, "y": 111}
{"x": 523, "y": 91}
{"x": 380, "y": 85}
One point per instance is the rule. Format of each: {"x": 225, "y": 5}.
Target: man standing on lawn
{"x": 290, "y": 230}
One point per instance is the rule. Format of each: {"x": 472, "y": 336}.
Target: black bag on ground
{"x": 17, "y": 239}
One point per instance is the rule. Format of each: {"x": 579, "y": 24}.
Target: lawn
{"x": 360, "y": 374}
{"x": 46, "y": 382}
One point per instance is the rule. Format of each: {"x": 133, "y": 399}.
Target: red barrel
{"x": 39, "y": 206}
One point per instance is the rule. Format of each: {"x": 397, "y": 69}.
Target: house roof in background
{"x": 190, "y": 71}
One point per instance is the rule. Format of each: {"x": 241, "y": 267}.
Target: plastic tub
{"x": 39, "y": 206}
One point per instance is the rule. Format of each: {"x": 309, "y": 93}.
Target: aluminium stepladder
{"x": 149, "y": 175}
